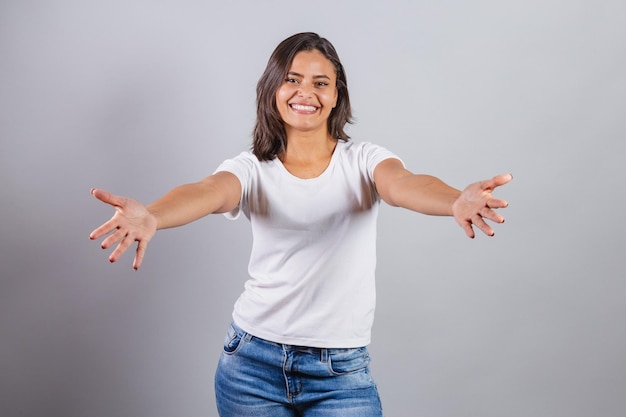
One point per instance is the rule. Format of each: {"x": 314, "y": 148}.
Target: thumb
{"x": 108, "y": 198}
{"x": 492, "y": 183}
{"x": 501, "y": 179}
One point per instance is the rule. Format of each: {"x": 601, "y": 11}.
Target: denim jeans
{"x": 256, "y": 377}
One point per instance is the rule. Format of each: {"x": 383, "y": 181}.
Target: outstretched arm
{"x": 134, "y": 222}
{"x": 429, "y": 195}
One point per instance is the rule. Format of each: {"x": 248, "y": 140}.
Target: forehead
{"x": 313, "y": 62}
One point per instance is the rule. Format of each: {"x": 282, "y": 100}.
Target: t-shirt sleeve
{"x": 240, "y": 166}
{"x": 374, "y": 155}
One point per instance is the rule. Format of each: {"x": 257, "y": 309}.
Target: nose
{"x": 305, "y": 90}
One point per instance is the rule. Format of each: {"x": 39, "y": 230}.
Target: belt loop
{"x": 247, "y": 337}
{"x": 324, "y": 355}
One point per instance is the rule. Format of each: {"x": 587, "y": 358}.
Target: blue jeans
{"x": 256, "y": 377}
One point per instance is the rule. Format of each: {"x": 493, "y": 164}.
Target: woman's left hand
{"x": 475, "y": 204}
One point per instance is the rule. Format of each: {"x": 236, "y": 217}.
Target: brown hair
{"x": 269, "y": 137}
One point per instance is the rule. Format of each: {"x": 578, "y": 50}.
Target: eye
{"x": 321, "y": 84}
{"x": 290, "y": 80}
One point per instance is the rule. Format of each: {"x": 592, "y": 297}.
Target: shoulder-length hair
{"x": 269, "y": 136}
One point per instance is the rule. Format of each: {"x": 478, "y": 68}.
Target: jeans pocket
{"x": 346, "y": 361}
{"x": 232, "y": 341}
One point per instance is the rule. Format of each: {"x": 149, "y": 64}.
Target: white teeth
{"x": 302, "y": 107}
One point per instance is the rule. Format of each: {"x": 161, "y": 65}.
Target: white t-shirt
{"x": 314, "y": 248}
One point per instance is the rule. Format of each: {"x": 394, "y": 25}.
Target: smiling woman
{"x": 297, "y": 343}
{"x": 270, "y": 137}
{"x": 308, "y": 95}
{"x": 305, "y": 101}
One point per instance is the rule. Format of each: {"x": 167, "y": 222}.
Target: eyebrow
{"x": 297, "y": 74}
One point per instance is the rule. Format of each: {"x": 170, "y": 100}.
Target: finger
{"x": 105, "y": 229}
{"x": 496, "y": 181}
{"x": 501, "y": 179}
{"x": 479, "y": 222}
{"x": 113, "y": 239}
{"x": 497, "y": 203}
{"x": 108, "y": 198}
{"x": 139, "y": 254}
{"x": 121, "y": 248}
{"x": 467, "y": 227}
{"x": 492, "y": 215}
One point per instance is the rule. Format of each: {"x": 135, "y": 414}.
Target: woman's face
{"x": 308, "y": 93}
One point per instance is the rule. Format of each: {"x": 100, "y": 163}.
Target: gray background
{"x": 139, "y": 96}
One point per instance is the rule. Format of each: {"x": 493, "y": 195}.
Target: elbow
{"x": 389, "y": 195}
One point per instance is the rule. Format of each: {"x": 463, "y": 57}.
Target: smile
{"x": 303, "y": 107}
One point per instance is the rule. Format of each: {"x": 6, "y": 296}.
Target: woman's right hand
{"x": 132, "y": 222}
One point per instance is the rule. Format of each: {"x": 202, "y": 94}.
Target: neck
{"x": 308, "y": 156}
{"x": 306, "y": 146}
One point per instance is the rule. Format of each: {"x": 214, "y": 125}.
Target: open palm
{"x": 132, "y": 222}
{"x": 476, "y": 203}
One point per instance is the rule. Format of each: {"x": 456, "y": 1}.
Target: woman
{"x": 297, "y": 344}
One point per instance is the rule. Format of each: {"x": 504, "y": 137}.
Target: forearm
{"x": 190, "y": 202}
{"x": 423, "y": 193}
